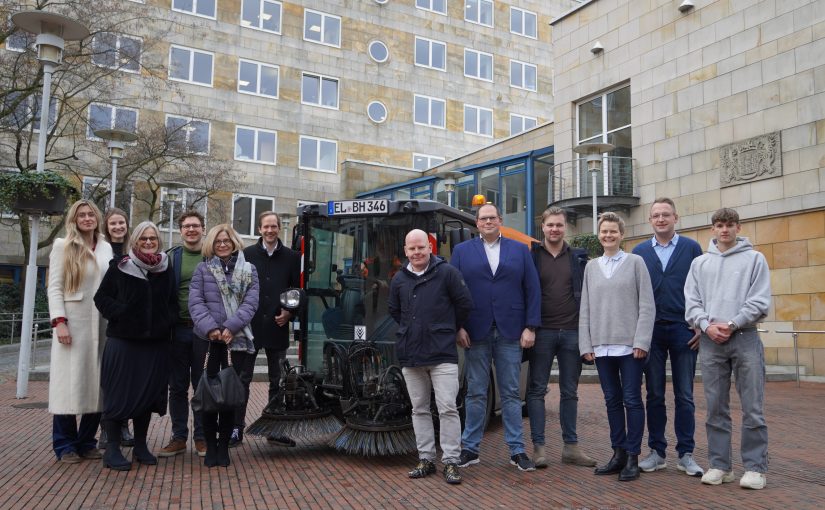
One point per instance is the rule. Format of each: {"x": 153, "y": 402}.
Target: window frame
{"x": 256, "y": 148}
{"x": 478, "y": 22}
{"x": 523, "y": 24}
{"x": 254, "y": 219}
{"x": 386, "y": 111}
{"x": 324, "y": 17}
{"x": 522, "y": 118}
{"x": 479, "y": 54}
{"x": 524, "y": 66}
{"x": 429, "y": 158}
{"x": 163, "y": 223}
{"x": 189, "y": 132}
{"x": 321, "y": 78}
{"x": 195, "y": 9}
{"x": 382, "y": 43}
{"x": 118, "y": 55}
{"x": 260, "y": 17}
{"x": 33, "y": 102}
{"x": 479, "y": 110}
{"x": 431, "y": 8}
{"x": 430, "y": 101}
{"x": 192, "y": 52}
{"x": 259, "y": 66}
{"x": 430, "y": 45}
{"x": 112, "y": 120}
{"x": 318, "y": 141}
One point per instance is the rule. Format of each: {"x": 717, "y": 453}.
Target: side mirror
{"x": 458, "y": 235}
{"x": 293, "y": 299}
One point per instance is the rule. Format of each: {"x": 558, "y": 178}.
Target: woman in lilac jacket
{"x": 223, "y": 298}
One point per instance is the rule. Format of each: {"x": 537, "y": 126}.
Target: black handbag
{"x": 220, "y": 392}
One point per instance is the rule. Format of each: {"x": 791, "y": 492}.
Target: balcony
{"x": 570, "y": 186}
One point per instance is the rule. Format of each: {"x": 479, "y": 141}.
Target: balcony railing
{"x": 572, "y": 180}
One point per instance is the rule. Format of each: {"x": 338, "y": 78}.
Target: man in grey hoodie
{"x": 728, "y": 290}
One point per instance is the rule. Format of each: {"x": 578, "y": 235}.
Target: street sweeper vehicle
{"x": 347, "y": 388}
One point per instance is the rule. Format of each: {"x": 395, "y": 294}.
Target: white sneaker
{"x": 689, "y": 466}
{"x": 653, "y": 462}
{"x": 717, "y": 476}
{"x": 753, "y": 480}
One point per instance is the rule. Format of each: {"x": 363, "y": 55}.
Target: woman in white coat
{"x": 76, "y": 267}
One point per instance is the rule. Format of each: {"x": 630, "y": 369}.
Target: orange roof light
{"x": 479, "y": 200}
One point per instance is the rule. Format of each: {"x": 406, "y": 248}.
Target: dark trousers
{"x": 67, "y": 436}
{"x": 670, "y": 339}
{"x": 273, "y": 362}
{"x": 186, "y": 367}
{"x": 621, "y": 380}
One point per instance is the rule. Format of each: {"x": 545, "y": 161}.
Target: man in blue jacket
{"x": 668, "y": 257}
{"x": 429, "y": 301}
{"x": 505, "y": 289}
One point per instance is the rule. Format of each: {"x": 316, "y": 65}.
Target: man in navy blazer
{"x": 507, "y": 296}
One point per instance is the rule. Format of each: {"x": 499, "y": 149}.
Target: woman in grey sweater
{"x": 615, "y": 329}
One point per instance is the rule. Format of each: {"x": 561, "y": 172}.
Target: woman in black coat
{"x": 139, "y": 299}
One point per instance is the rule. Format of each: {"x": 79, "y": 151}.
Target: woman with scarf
{"x": 139, "y": 299}
{"x": 223, "y": 298}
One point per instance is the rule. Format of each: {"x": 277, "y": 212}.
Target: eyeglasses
{"x": 148, "y": 239}
{"x": 193, "y": 226}
{"x": 225, "y": 242}
{"x": 485, "y": 219}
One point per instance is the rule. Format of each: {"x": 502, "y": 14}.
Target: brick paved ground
{"x": 315, "y": 477}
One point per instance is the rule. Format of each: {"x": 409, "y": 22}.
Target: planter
{"x": 47, "y": 200}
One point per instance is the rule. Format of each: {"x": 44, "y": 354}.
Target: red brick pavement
{"x": 315, "y": 477}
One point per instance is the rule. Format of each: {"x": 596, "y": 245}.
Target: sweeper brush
{"x": 375, "y": 439}
{"x": 294, "y": 412}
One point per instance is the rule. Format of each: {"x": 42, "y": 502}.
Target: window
{"x": 478, "y": 65}
{"x": 478, "y": 120}
{"x": 261, "y": 15}
{"x": 117, "y": 51}
{"x": 186, "y": 199}
{"x": 322, "y": 28}
{"x": 319, "y": 90}
{"x": 439, "y": 6}
{"x": 377, "y": 112}
{"x": 257, "y": 78}
{"x": 252, "y": 144}
{"x": 479, "y": 11}
{"x": 432, "y": 54}
{"x": 245, "y": 211}
{"x": 20, "y": 40}
{"x": 429, "y": 111}
{"x": 606, "y": 119}
{"x": 379, "y": 51}
{"x": 205, "y": 8}
{"x": 24, "y": 109}
{"x": 106, "y": 116}
{"x": 97, "y": 190}
{"x": 190, "y": 65}
{"x": 520, "y": 123}
{"x": 523, "y": 22}
{"x": 522, "y": 75}
{"x": 318, "y": 154}
{"x": 425, "y": 161}
{"x": 187, "y": 135}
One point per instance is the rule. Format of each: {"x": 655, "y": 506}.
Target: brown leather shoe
{"x": 572, "y": 454}
{"x": 200, "y": 447}
{"x": 70, "y": 458}
{"x": 175, "y": 447}
{"x": 92, "y": 454}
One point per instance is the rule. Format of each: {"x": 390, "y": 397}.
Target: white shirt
{"x": 418, "y": 273}
{"x": 493, "y": 250}
{"x": 609, "y": 265}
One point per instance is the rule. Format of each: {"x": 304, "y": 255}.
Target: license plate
{"x": 348, "y": 207}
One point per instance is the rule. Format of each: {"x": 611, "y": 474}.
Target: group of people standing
{"x": 626, "y": 312}
{"x": 133, "y": 325}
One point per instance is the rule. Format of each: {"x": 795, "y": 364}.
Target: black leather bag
{"x": 220, "y": 392}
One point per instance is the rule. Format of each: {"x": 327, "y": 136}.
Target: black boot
{"x": 615, "y": 464}
{"x": 141, "y": 451}
{"x": 225, "y": 427}
{"x": 210, "y": 433}
{"x": 126, "y": 437}
{"x": 631, "y": 469}
{"x": 113, "y": 458}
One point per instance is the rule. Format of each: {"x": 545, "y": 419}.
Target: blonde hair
{"x": 76, "y": 252}
{"x": 611, "y": 217}
{"x": 208, "y": 250}
{"x": 142, "y": 227}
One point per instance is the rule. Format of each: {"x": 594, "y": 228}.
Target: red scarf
{"x": 150, "y": 259}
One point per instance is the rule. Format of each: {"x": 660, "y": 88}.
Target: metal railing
{"x": 795, "y": 334}
{"x": 571, "y": 179}
{"x": 11, "y": 324}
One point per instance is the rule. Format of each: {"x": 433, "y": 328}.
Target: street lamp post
{"x": 593, "y": 155}
{"x": 52, "y": 31}
{"x": 116, "y": 140}
{"x": 172, "y": 192}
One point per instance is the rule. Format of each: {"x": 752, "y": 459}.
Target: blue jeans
{"x": 186, "y": 367}
{"x": 506, "y": 353}
{"x": 671, "y": 339}
{"x": 744, "y": 356}
{"x": 67, "y": 436}
{"x": 563, "y": 345}
{"x": 621, "y": 380}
